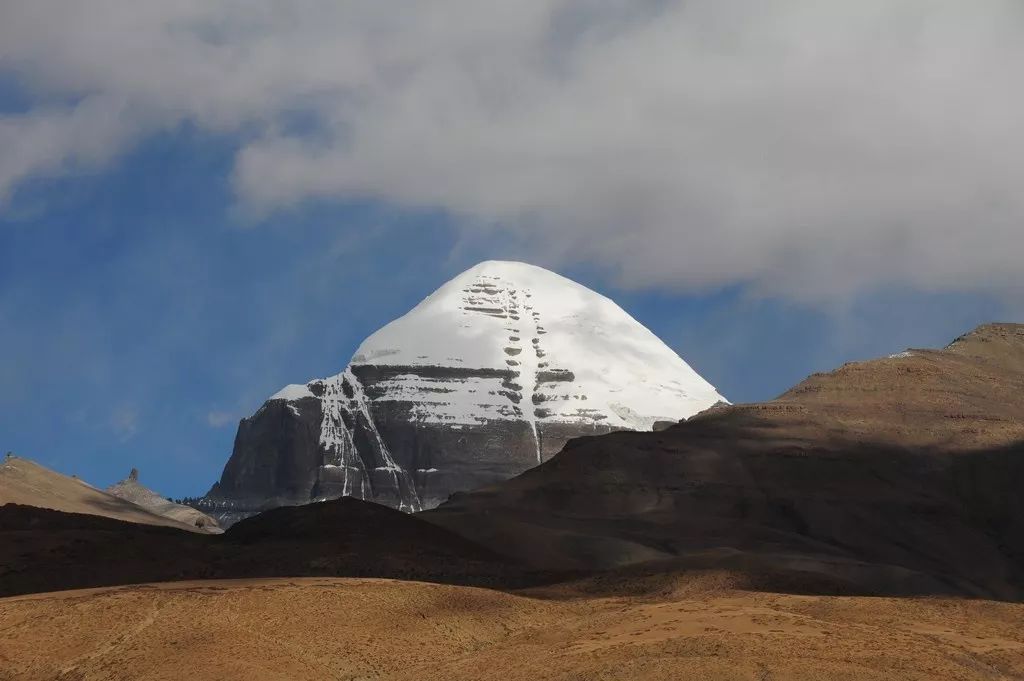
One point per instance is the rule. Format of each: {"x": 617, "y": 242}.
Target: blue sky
{"x": 206, "y": 200}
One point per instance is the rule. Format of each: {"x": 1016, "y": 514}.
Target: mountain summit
{"x": 485, "y": 378}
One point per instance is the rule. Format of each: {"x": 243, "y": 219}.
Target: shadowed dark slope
{"x": 910, "y": 463}
{"x": 45, "y": 550}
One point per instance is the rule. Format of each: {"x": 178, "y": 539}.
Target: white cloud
{"x": 124, "y": 421}
{"x": 219, "y": 419}
{"x": 808, "y": 149}
{"x": 53, "y": 141}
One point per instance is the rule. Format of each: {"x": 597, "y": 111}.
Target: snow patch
{"x": 292, "y": 392}
{"x": 622, "y": 370}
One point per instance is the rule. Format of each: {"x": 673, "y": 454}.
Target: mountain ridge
{"x": 26, "y": 482}
{"x": 912, "y": 461}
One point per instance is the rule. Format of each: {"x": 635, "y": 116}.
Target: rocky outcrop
{"x": 487, "y": 377}
{"x": 130, "y": 489}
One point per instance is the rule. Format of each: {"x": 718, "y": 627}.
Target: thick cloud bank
{"x": 810, "y": 149}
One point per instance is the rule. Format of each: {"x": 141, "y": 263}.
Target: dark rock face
{"x": 337, "y": 443}
{"x": 321, "y": 446}
{"x": 274, "y": 463}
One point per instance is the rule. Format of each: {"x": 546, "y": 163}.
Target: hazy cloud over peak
{"x": 808, "y": 149}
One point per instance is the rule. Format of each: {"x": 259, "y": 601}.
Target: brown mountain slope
{"x": 407, "y": 631}
{"x": 968, "y": 396}
{"x": 26, "y": 482}
{"x": 908, "y": 465}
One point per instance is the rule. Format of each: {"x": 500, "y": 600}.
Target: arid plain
{"x": 697, "y": 626}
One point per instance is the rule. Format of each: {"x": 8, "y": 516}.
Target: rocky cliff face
{"x": 487, "y": 377}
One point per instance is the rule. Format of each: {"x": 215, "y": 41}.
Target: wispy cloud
{"x": 219, "y": 419}
{"x": 802, "y": 148}
{"x": 52, "y": 141}
{"x": 124, "y": 422}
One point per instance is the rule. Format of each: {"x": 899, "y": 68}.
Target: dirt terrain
{"x": 698, "y": 626}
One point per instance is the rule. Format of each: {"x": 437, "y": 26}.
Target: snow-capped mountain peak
{"x": 519, "y": 318}
{"x": 489, "y": 375}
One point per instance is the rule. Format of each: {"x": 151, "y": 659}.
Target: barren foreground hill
{"x": 700, "y": 626}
